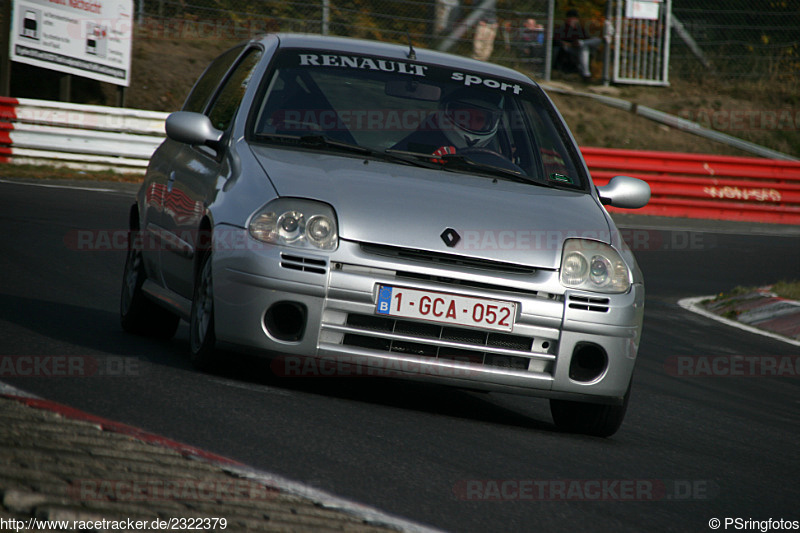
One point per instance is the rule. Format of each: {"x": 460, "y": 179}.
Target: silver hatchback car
{"x": 350, "y": 207}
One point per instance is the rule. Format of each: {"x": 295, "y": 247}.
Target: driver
{"x": 465, "y": 118}
{"x": 469, "y": 119}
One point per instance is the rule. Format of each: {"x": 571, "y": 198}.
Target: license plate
{"x": 446, "y": 308}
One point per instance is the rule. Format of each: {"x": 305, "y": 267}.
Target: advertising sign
{"x": 89, "y": 38}
{"x": 642, "y": 9}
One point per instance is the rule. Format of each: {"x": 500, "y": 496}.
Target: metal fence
{"x": 756, "y": 39}
{"x": 731, "y": 39}
{"x": 641, "y": 42}
{"x": 516, "y": 35}
{"x": 735, "y": 39}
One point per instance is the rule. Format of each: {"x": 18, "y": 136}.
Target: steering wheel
{"x": 490, "y": 157}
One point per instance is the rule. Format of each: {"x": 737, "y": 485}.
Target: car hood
{"x": 410, "y": 207}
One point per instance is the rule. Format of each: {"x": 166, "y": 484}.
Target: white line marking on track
{"x": 52, "y": 186}
{"x": 249, "y": 387}
{"x": 10, "y": 390}
{"x": 330, "y": 501}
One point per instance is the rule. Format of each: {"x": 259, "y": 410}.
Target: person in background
{"x": 507, "y": 30}
{"x": 446, "y": 14}
{"x": 485, "y": 33}
{"x": 572, "y": 45}
{"x": 531, "y": 38}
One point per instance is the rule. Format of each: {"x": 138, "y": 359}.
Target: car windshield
{"x": 405, "y": 110}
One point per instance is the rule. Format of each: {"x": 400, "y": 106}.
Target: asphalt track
{"x": 692, "y": 448}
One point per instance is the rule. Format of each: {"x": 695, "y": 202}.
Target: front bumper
{"x": 331, "y": 300}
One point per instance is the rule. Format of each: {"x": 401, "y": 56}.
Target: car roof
{"x": 395, "y": 51}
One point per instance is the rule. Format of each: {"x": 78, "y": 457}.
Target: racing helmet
{"x": 470, "y": 117}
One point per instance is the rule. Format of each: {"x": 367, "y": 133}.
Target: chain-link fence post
{"x": 608, "y": 33}
{"x": 548, "y": 41}
{"x": 5, "y": 42}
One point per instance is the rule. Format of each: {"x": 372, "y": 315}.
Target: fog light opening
{"x": 589, "y": 361}
{"x": 286, "y": 321}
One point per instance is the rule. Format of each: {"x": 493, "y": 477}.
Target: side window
{"x": 554, "y": 155}
{"x": 203, "y": 90}
{"x": 231, "y": 94}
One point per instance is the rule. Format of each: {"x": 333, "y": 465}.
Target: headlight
{"x": 593, "y": 266}
{"x": 296, "y": 222}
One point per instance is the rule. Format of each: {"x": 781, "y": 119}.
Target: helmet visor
{"x": 472, "y": 117}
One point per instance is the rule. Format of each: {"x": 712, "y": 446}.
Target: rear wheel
{"x": 594, "y": 419}
{"x": 202, "y": 336}
{"x": 138, "y": 313}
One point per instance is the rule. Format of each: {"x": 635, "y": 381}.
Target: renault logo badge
{"x": 450, "y": 237}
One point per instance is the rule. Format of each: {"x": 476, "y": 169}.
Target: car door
{"x": 198, "y": 172}
{"x": 164, "y": 167}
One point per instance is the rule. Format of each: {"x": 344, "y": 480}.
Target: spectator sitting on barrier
{"x": 531, "y": 39}
{"x": 572, "y": 46}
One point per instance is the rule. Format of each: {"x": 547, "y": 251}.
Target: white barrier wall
{"x": 78, "y": 136}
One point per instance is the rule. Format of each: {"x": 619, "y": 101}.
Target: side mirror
{"x": 626, "y": 192}
{"x": 192, "y": 128}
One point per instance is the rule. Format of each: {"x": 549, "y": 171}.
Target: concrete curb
{"x": 760, "y": 312}
{"x": 60, "y": 463}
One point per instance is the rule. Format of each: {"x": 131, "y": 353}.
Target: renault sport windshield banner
{"x": 89, "y": 38}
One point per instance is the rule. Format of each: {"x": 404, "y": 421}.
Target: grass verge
{"x": 789, "y": 289}
{"x": 12, "y": 170}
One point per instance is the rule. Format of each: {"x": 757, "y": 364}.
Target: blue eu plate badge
{"x": 384, "y": 300}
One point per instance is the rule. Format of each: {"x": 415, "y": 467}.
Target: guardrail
{"x": 79, "y": 136}
{"x": 706, "y": 186}
{"x": 683, "y": 185}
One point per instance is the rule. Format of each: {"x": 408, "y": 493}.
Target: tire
{"x": 139, "y": 314}
{"x": 598, "y": 420}
{"x": 202, "y": 335}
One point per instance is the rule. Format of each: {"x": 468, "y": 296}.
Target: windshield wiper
{"x": 414, "y": 158}
{"x": 314, "y": 140}
{"x": 318, "y": 140}
{"x": 463, "y": 162}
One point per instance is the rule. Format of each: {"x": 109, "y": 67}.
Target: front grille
{"x": 450, "y": 343}
{"x": 351, "y": 325}
{"x": 586, "y": 303}
{"x": 446, "y": 260}
{"x": 303, "y": 264}
{"x": 415, "y": 276}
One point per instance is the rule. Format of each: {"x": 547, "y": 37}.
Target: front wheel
{"x": 589, "y": 418}
{"x": 139, "y": 314}
{"x": 202, "y": 336}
